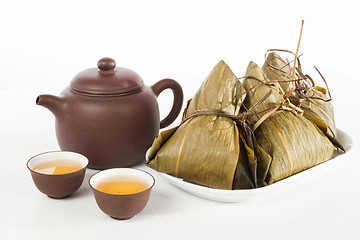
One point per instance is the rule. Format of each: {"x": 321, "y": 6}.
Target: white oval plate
{"x": 248, "y": 194}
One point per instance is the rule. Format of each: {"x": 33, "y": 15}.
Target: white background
{"x": 43, "y": 44}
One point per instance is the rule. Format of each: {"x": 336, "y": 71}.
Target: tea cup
{"x": 115, "y": 196}
{"x": 52, "y": 182}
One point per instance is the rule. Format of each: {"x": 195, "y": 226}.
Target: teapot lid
{"x": 107, "y": 80}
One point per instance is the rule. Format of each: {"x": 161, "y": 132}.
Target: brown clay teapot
{"x": 109, "y": 115}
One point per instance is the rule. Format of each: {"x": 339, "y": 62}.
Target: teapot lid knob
{"x": 106, "y": 64}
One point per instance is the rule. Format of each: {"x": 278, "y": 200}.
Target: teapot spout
{"x": 55, "y": 104}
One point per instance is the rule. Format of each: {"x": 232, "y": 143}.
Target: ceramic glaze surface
{"x": 57, "y": 185}
{"x": 125, "y": 206}
{"x": 111, "y": 117}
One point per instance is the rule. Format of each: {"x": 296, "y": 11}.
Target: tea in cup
{"x": 122, "y": 192}
{"x": 58, "y": 174}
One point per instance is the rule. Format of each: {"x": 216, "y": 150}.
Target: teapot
{"x": 109, "y": 115}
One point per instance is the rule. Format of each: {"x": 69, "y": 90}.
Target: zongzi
{"x": 242, "y": 136}
{"x": 313, "y": 101}
{"x": 207, "y": 149}
{"x": 286, "y": 142}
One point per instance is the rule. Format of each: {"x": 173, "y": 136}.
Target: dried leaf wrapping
{"x": 257, "y": 85}
{"x": 216, "y": 151}
{"x": 286, "y": 143}
{"x": 207, "y": 150}
{"x": 319, "y": 112}
{"x": 275, "y": 68}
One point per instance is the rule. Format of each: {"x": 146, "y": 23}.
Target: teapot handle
{"x": 178, "y": 99}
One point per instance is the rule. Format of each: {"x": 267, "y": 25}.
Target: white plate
{"x": 248, "y": 194}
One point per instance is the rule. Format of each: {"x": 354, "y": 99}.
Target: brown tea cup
{"x": 60, "y": 184}
{"x": 117, "y": 202}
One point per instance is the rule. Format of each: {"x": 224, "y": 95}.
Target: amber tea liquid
{"x": 122, "y": 185}
{"x": 58, "y": 166}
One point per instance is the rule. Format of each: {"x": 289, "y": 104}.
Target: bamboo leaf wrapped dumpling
{"x": 286, "y": 142}
{"x": 319, "y": 112}
{"x": 207, "y": 150}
